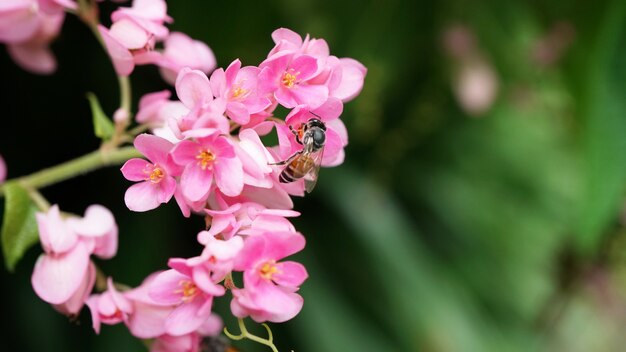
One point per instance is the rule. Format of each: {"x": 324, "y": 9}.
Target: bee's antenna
{"x": 314, "y": 114}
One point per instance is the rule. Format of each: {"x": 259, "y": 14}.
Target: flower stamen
{"x": 205, "y": 159}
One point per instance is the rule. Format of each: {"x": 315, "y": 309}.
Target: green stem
{"x": 78, "y": 166}
{"x": 269, "y": 342}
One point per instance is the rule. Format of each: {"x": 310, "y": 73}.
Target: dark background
{"x": 444, "y": 230}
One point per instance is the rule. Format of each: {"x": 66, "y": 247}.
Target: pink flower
{"x": 189, "y": 342}
{"x": 246, "y": 219}
{"x": 336, "y": 133}
{"x": 3, "y": 170}
{"x": 189, "y": 291}
{"x": 269, "y": 285}
{"x": 157, "y": 184}
{"x": 344, "y": 77}
{"x": 111, "y": 307}
{"x": 134, "y": 33}
{"x": 239, "y": 87}
{"x": 206, "y": 114}
{"x": 286, "y": 75}
{"x": 207, "y": 161}
{"x": 63, "y": 275}
{"x": 182, "y": 51}
{"x": 28, "y": 33}
{"x": 147, "y": 319}
{"x": 155, "y": 109}
{"x": 255, "y": 158}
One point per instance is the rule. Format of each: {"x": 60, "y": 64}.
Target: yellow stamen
{"x": 268, "y": 270}
{"x": 156, "y": 175}
{"x": 205, "y": 158}
{"x": 289, "y": 79}
{"x": 238, "y": 92}
{"x": 188, "y": 289}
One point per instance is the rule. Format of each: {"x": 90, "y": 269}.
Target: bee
{"x": 306, "y": 162}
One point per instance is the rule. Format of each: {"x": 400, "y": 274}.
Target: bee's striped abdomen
{"x": 296, "y": 169}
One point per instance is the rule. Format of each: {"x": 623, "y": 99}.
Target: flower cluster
{"x": 28, "y": 27}
{"x": 206, "y": 151}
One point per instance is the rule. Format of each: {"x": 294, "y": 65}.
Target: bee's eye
{"x": 319, "y": 137}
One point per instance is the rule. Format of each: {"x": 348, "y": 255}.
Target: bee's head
{"x": 315, "y": 122}
{"x": 319, "y": 137}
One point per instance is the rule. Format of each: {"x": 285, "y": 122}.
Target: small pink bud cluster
{"x": 136, "y": 30}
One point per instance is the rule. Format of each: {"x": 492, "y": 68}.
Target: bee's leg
{"x": 295, "y": 133}
{"x": 285, "y": 162}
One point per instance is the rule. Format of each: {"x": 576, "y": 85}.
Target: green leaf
{"x": 102, "y": 124}
{"x": 19, "y": 226}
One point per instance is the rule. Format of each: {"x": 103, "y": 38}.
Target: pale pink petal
{"x": 167, "y": 188}
{"x": 196, "y": 182}
{"x": 224, "y": 250}
{"x": 218, "y": 82}
{"x": 229, "y": 176}
{"x": 93, "y": 303}
{"x": 330, "y": 110}
{"x": 238, "y": 112}
{"x": 78, "y": 299}
{"x": 98, "y": 221}
{"x": 55, "y": 234}
{"x": 165, "y": 288}
{"x": 311, "y": 95}
{"x": 142, "y": 196}
{"x": 120, "y": 55}
{"x": 231, "y": 72}
{"x": 212, "y": 326}
{"x": 290, "y": 274}
{"x": 282, "y": 244}
{"x": 193, "y": 87}
{"x": 252, "y": 252}
{"x": 153, "y": 147}
{"x": 332, "y": 148}
{"x": 134, "y": 169}
{"x": 57, "y": 277}
{"x": 287, "y": 35}
{"x": 204, "y": 281}
{"x": 186, "y": 317}
{"x": 305, "y": 66}
{"x": 281, "y": 304}
{"x": 352, "y": 79}
{"x": 129, "y": 34}
{"x": 34, "y": 58}
{"x": 148, "y": 320}
{"x": 19, "y": 21}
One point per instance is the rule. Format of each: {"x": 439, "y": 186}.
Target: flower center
{"x": 268, "y": 270}
{"x": 188, "y": 289}
{"x": 237, "y": 92}
{"x": 289, "y": 78}
{"x": 154, "y": 173}
{"x": 205, "y": 159}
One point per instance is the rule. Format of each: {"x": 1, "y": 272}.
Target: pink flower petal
{"x": 196, "y": 182}
{"x": 305, "y": 65}
{"x": 129, "y": 34}
{"x": 193, "y": 87}
{"x": 313, "y": 96}
{"x": 57, "y": 277}
{"x": 3, "y": 170}
{"x": 352, "y": 79}
{"x": 287, "y": 35}
{"x": 120, "y": 55}
{"x": 165, "y": 288}
{"x": 98, "y": 221}
{"x": 148, "y": 320}
{"x": 153, "y": 147}
{"x": 78, "y": 299}
{"x": 55, "y": 234}
{"x": 229, "y": 176}
{"x": 290, "y": 274}
{"x": 35, "y": 58}
{"x": 142, "y": 196}
{"x": 186, "y": 317}
{"x": 133, "y": 169}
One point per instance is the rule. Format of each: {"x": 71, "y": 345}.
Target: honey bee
{"x": 306, "y": 162}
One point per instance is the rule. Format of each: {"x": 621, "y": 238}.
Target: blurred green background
{"x": 480, "y": 207}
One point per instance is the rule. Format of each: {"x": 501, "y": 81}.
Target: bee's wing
{"x": 310, "y": 179}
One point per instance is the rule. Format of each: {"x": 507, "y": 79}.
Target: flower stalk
{"x": 73, "y": 168}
